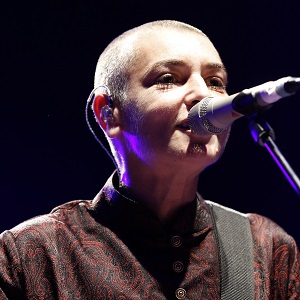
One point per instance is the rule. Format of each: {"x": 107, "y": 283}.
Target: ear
{"x": 106, "y": 116}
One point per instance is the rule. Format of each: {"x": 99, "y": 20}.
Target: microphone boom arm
{"x": 264, "y": 135}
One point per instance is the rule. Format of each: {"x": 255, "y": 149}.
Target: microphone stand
{"x": 263, "y": 134}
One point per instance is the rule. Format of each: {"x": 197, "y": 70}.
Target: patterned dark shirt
{"x": 114, "y": 248}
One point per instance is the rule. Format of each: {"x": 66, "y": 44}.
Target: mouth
{"x": 195, "y": 138}
{"x": 184, "y": 125}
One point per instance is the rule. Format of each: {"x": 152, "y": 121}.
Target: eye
{"x": 216, "y": 84}
{"x": 165, "y": 81}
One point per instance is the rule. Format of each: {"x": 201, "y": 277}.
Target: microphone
{"x": 213, "y": 115}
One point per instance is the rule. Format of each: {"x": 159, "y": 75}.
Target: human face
{"x": 174, "y": 70}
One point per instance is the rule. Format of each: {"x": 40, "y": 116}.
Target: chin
{"x": 209, "y": 152}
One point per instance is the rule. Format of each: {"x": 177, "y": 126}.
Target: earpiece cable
{"x": 90, "y": 98}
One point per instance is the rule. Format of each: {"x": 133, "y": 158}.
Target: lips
{"x": 184, "y": 124}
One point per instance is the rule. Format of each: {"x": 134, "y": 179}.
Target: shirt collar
{"x": 194, "y": 219}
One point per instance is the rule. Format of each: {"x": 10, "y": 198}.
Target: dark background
{"x": 48, "y": 55}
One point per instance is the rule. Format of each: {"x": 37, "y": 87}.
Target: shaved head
{"x": 115, "y": 61}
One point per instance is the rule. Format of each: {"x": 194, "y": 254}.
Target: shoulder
{"x": 266, "y": 231}
{"x": 46, "y": 227}
{"x": 273, "y": 245}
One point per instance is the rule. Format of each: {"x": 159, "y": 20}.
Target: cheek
{"x": 132, "y": 118}
{"x": 146, "y": 130}
{"x": 149, "y": 120}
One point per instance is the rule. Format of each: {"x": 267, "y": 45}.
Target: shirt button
{"x": 180, "y": 293}
{"x": 178, "y": 266}
{"x": 176, "y": 241}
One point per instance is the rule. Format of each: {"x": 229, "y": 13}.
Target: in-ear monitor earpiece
{"x": 106, "y": 113}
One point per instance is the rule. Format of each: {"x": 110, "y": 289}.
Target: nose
{"x": 196, "y": 91}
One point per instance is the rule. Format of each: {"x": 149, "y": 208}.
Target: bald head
{"x": 115, "y": 61}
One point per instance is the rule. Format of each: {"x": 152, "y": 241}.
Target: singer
{"x": 148, "y": 234}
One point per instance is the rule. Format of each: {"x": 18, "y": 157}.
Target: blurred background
{"x": 48, "y": 55}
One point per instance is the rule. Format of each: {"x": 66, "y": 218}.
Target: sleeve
{"x": 285, "y": 266}
{"x": 276, "y": 259}
{"x": 291, "y": 257}
{"x": 10, "y": 268}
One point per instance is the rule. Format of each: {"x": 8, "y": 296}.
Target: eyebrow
{"x": 163, "y": 64}
{"x": 218, "y": 66}
{"x": 176, "y": 62}
{"x": 168, "y": 62}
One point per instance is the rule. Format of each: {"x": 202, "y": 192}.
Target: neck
{"x": 164, "y": 192}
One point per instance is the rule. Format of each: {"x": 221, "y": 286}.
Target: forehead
{"x": 165, "y": 44}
